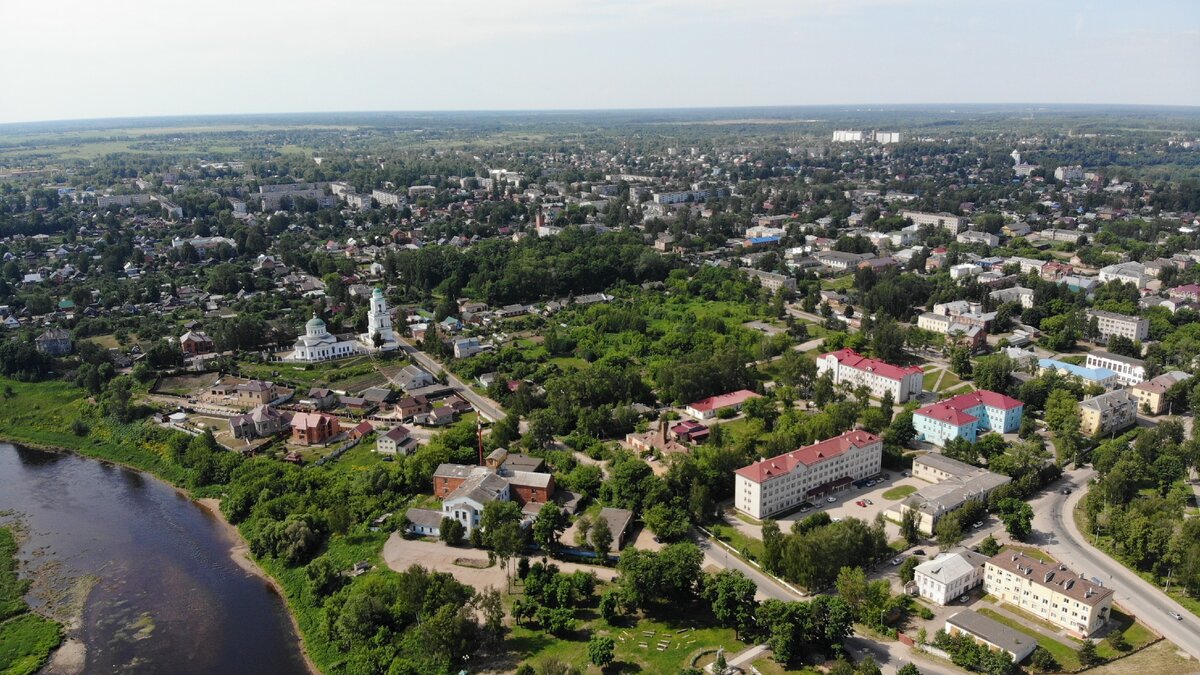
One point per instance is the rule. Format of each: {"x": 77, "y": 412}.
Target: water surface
{"x": 167, "y": 597}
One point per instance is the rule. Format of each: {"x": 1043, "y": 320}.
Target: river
{"x": 167, "y": 597}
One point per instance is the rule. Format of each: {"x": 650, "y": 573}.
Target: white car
{"x": 830, "y": 500}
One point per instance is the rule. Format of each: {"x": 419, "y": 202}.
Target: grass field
{"x": 537, "y": 647}
{"x": 838, "y": 284}
{"x": 899, "y": 492}
{"x": 352, "y": 374}
{"x": 749, "y": 546}
{"x": 26, "y": 639}
{"x": 185, "y": 385}
{"x": 1032, "y": 552}
{"x": 769, "y": 667}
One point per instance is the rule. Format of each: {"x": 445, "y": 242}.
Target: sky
{"x": 82, "y": 59}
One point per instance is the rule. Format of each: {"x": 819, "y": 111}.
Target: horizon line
{"x": 878, "y": 106}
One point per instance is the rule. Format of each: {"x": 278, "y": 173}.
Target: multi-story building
{"x": 1127, "y": 272}
{"x": 1152, "y": 394}
{"x": 974, "y": 335}
{"x": 1066, "y": 173}
{"x": 1049, "y": 591}
{"x": 387, "y": 198}
{"x": 1107, "y": 413}
{"x": 888, "y": 137}
{"x": 965, "y": 415}
{"x": 949, "y": 575}
{"x": 946, "y": 221}
{"x": 1111, "y": 323}
{"x": 840, "y": 260}
{"x": 1128, "y": 369}
{"x": 977, "y": 237}
{"x": 952, "y": 484}
{"x": 771, "y": 281}
{"x": 1018, "y": 294}
{"x": 710, "y": 407}
{"x": 847, "y": 136}
{"x": 781, "y": 483}
{"x": 466, "y": 490}
{"x": 1028, "y": 265}
{"x": 851, "y": 369}
{"x": 1100, "y": 376}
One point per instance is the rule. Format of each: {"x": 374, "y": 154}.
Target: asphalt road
{"x": 1056, "y": 533}
{"x": 486, "y": 406}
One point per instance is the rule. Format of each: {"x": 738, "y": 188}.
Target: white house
{"x": 466, "y": 503}
{"x": 1129, "y": 370}
{"x": 395, "y": 441}
{"x": 949, "y": 575}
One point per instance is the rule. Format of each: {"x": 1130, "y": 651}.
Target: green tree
{"x": 601, "y": 650}
{"x": 989, "y": 546}
{"x": 908, "y": 669}
{"x": 910, "y": 524}
{"x": 548, "y": 525}
{"x": 960, "y": 361}
{"x": 669, "y": 523}
{"x": 1088, "y": 656}
{"x": 451, "y": 531}
{"x": 731, "y": 596}
{"x": 1043, "y": 661}
{"x": 1017, "y": 517}
{"x": 601, "y": 539}
{"x": 906, "y": 568}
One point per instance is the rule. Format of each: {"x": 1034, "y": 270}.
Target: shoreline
{"x": 239, "y": 553}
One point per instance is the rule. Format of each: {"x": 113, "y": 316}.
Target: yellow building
{"x": 1049, "y": 591}
{"x": 1107, "y": 413}
{"x": 1151, "y": 395}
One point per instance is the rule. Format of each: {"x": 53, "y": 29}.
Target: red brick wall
{"x": 525, "y": 493}
{"x": 443, "y": 486}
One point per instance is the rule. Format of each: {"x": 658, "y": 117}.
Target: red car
{"x": 861, "y": 503}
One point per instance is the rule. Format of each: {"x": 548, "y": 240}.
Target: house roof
{"x": 480, "y": 487}
{"x": 310, "y": 420}
{"x": 530, "y": 479}
{"x": 950, "y": 566}
{"x": 944, "y": 412}
{"x": 617, "y": 519}
{"x": 424, "y": 517}
{"x": 813, "y": 454}
{"x": 1054, "y": 576}
{"x": 994, "y": 632}
{"x": 724, "y": 400}
{"x": 954, "y": 410}
{"x": 852, "y": 359}
{"x": 1162, "y": 383}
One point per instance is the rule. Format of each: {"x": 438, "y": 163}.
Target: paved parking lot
{"x": 844, "y": 505}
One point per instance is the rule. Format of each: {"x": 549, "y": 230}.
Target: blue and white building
{"x": 966, "y": 416}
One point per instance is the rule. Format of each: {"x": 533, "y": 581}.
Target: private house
{"x": 322, "y": 399}
{"x": 466, "y": 347}
{"x": 1111, "y": 323}
{"x": 256, "y": 392}
{"x": 195, "y": 342}
{"x": 784, "y": 482}
{"x": 949, "y": 575}
{"x": 465, "y": 491}
{"x": 260, "y": 422}
{"x": 1049, "y": 591}
{"x": 395, "y": 441}
{"x": 474, "y": 492}
{"x": 411, "y": 406}
{"x": 1107, "y": 413}
{"x": 992, "y": 634}
{"x": 713, "y": 405}
{"x": 618, "y": 521}
{"x": 313, "y": 428}
{"x": 1151, "y": 395}
{"x": 435, "y": 417}
{"x": 55, "y": 342}
{"x": 690, "y": 431}
{"x": 952, "y": 483}
{"x": 966, "y": 415}
{"x": 850, "y": 369}
{"x": 414, "y": 377}
{"x": 1128, "y": 369}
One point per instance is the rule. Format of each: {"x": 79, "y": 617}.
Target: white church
{"x": 318, "y": 344}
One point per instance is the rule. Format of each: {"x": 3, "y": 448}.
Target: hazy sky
{"x": 67, "y": 59}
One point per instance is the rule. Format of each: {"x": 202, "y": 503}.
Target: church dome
{"x": 314, "y": 326}
{"x": 377, "y": 293}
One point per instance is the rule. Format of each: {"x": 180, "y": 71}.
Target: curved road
{"x": 1056, "y": 533}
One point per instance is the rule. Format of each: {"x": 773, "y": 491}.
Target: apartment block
{"x": 781, "y": 483}
{"x": 966, "y": 415}
{"x": 1107, "y": 413}
{"x": 1111, "y": 323}
{"x": 1152, "y": 394}
{"x": 1049, "y": 591}
{"x": 946, "y": 221}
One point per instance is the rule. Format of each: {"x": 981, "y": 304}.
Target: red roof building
{"x": 709, "y": 407}
{"x": 782, "y": 483}
{"x": 965, "y": 415}
{"x": 848, "y": 367}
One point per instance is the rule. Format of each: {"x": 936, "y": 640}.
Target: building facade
{"x": 851, "y": 369}
{"x": 966, "y": 415}
{"x": 1129, "y": 370}
{"x": 782, "y": 483}
{"x": 1111, "y": 323}
{"x": 1151, "y": 395}
{"x": 318, "y": 344}
{"x": 1107, "y": 413}
{"x": 1049, "y": 591}
{"x": 949, "y": 575}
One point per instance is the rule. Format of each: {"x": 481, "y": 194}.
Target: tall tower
{"x": 379, "y": 322}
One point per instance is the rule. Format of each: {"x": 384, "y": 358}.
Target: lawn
{"x": 303, "y": 376}
{"x": 26, "y": 639}
{"x": 697, "y": 635}
{"x": 185, "y": 385}
{"x": 930, "y": 380}
{"x": 839, "y": 284}
{"x": 899, "y": 492}
{"x": 1136, "y": 634}
{"x": 747, "y": 545}
{"x": 1063, "y": 653}
{"x": 769, "y": 667}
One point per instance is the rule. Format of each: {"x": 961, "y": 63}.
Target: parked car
{"x": 964, "y": 598}
{"x": 830, "y": 500}
{"x": 868, "y": 501}
{"x": 896, "y": 561}
{"x": 978, "y": 524}
{"x": 1066, "y": 491}
{"x": 887, "y": 476}
{"x": 861, "y": 503}
{"x": 904, "y": 473}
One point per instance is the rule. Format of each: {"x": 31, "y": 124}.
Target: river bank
{"x": 239, "y": 553}
{"x": 27, "y": 638}
{"x": 118, "y": 618}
